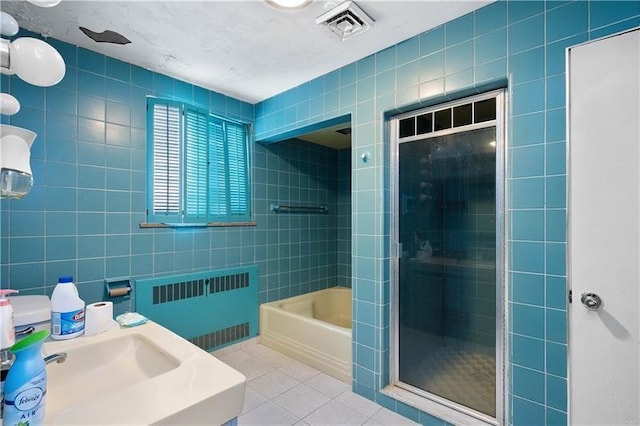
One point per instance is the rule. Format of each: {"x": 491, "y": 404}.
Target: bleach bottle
{"x": 26, "y": 384}
{"x": 67, "y": 310}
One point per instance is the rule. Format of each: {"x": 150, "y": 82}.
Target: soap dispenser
{"x": 7, "y": 339}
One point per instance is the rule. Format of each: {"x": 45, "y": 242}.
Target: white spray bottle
{"x": 7, "y": 339}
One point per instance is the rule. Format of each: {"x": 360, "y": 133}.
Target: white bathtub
{"x": 313, "y": 328}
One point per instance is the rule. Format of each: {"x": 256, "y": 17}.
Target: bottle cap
{"x": 3, "y": 301}
{"x": 65, "y": 279}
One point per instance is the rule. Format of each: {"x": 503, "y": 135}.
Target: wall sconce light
{"x": 33, "y": 60}
{"x": 16, "y": 178}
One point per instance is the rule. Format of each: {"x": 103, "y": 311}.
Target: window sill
{"x": 196, "y": 225}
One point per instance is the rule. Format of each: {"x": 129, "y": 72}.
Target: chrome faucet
{"x": 59, "y": 358}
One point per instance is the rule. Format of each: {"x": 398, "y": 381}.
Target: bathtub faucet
{"x": 59, "y": 358}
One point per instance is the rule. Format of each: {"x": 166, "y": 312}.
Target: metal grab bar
{"x": 298, "y": 209}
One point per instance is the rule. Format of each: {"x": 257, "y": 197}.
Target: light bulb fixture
{"x": 33, "y": 60}
{"x": 16, "y": 178}
{"x": 9, "y": 105}
{"x": 290, "y": 4}
{"x": 45, "y": 3}
{"x": 8, "y": 25}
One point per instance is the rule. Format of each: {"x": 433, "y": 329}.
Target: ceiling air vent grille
{"x": 346, "y": 20}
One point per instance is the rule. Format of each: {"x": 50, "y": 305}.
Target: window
{"x": 197, "y": 164}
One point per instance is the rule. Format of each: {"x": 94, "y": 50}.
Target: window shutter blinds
{"x": 217, "y": 171}
{"x": 195, "y": 164}
{"x": 237, "y": 167}
{"x": 166, "y": 159}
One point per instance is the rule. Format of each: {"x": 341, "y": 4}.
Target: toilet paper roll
{"x": 98, "y": 317}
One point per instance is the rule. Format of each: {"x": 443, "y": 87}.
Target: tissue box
{"x": 31, "y": 311}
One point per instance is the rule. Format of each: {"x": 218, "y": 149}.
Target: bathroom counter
{"x": 140, "y": 375}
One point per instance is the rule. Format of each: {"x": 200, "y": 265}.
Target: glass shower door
{"x": 447, "y": 270}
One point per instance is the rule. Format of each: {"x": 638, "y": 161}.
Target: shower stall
{"x": 448, "y": 234}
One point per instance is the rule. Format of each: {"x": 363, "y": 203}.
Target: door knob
{"x": 591, "y": 301}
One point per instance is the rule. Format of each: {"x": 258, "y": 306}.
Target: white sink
{"x": 139, "y": 375}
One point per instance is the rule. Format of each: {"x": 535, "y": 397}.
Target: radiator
{"x": 210, "y": 309}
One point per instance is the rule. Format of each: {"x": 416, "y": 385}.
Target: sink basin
{"x": 140, "y": 375}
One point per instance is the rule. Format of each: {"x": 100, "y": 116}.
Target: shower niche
{"x": 448, "y": 284}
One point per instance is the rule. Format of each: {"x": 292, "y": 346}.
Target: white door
{"x": 604, "y": 221}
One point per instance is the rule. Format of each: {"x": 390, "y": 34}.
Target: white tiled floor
{"x": 283, "y": 391}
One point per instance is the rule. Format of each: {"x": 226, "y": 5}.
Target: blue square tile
{"x": 557, "y": 392}
{"x": 527, "y": 66}
{"x": 556, "y": 91}
{"x": 556, "y": 326}
{"x": 90, "y": 223}
{"x": 528, "y": 288}
{"x": 527, "y": 225}
{"x": 519, "y": 10}
{"x": 183, "y": 91}
{"x": 26, "y": 275}
{"x": 528, "y": 97}
{"x": 163, "y": 85}
{"x": 556, "y": 225}
{"x": 528, "y": 384}
{"x": 90, "y": 269}
{"x": 91, "y": 84}
{"x": 556, "y": 418}
{"x": 118, "y": 113}
{"x": 618, "y": 27}
{"x": 91, "y": 200}
{"x": 556, "y": 125}
{"x": 118, "y": 157}
{"x": 528, "y": 129}
{"x": 491, "y": 17}
{"x": 61, "y": 199}
{"x": 431, "y": 67}
{"x": 459, "y": 30}
{"x": 117, "y": 179}
{"x": 118, "y": 135}
{"x": 430, "y": 90}
{"x": 602, "y": 13}
{"x": 26, "y": 249}
{"x": 408, "y": 50}
{"x": 91, "y": 130}
{"x": 459, "y": 84}
{"x": 61, "y": 125}
{"x": 348, "y": 74}
{"x": 91, "y": 177}
{"x": 408, "y": 75}
{"x": 556, "y": 294}
{"x": 217, "y": 103}
{"x": 27, "y": 94}
{"x": 385, "y": 60}
{"x": 91, "y": 61}
{"x": 527, "y": 193}
{"x": 556, "y": 359}
{"x": 527, "y": 413}
{"x": 556, "y": 194}
{"x": 556, "y": 254}
{"x": 491, "y": 71}
{"x": 116, "y": 267}
{"x": 61, "y": 223}
{"x": 459, "y": 57}
{"x": 491, "y": 46}
{"x": 556, "y": 158}
{"x": 64, "y": 151}
{"x": 118, "y": 91}
{"x": 528, "y": 320}
{"x": 60, "y": 248}
{"x": 567, "y": 21}
{"x": 526, "y": 34}
{"x": 91, "y": 153}
{"x": 32, "y": 119}
{"x": 117, "y": 245}
{"x": 60, "y": 174}
{"x": 432, "y": 41}
{"x": 26, "y": 223}
{"x": 91, "y": 107}
{"x": 527, "y": 352}
{"x": 118, "y": 201}
{"x": 141, "y": 77}
{"x": 527, "y": 257}
{"x": 63, "y": 101}
{"x": 527, "y": 161}
{"x": 70, "y": 80}
{"x": 118, "y": 70}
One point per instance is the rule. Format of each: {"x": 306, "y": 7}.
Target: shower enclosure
{"x": 448, "y": 231}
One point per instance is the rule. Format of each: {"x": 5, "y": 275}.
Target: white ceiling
{"x": 246, "y": 49}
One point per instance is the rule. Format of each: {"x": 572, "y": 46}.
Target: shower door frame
{"x": 438, "y": 406}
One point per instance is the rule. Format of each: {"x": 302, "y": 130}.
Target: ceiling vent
{"x": 346, "y": 20}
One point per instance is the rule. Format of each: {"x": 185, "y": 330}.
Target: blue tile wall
{"x": 522, "y": 44}
{"x": 89, "y": 162}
